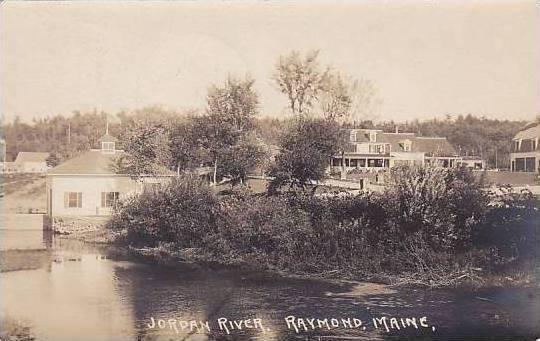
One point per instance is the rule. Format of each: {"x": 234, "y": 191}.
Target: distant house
{"x": 473, "y": 162}
{"x": 32, "y": 162}
{"x": 525, "y": 156}
{"x": 27, "y": 162}
{"x": 373, "y": 149}
{"x": 89, "y": 185}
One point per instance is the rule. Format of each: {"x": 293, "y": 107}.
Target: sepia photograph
{"x": 269, "y": 170}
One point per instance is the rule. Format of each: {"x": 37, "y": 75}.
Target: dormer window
{"x": 353, "y": 136}
{"x": 406, "y": 145}
{"x": 107, "y": 147}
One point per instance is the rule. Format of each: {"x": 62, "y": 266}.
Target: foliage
{"x": 235, "y": 103}
{"x": 266, "y": 230}
{"x": 305, "y": 151}
{"x": 443, "y": 205}
{"x": 187, "y": 151}
{"x": 300, "y": 79}
{"x": 242, "y": 159}
{"x": 510, "y": 231}
{"x": 65, "y": 137}
{"x": 429, "y": 236}
{"x": 223, "y": 130}
{"x": 147, "y": 149}
{"x": 184, "y": 212}
{"x": 52, "y": 160}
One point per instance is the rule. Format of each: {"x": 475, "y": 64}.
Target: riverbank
{"x": 192, "y": 259}
{"x": 15, "y": 330}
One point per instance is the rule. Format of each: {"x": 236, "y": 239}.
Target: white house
{"x": 473, "y": 162}
{"x": 32, "y": 162}
{"x": 373, "y": 149}
{"x": 26, "y": 162}
{"x": 88, "y": 185}
{"x": 525, "y": 156}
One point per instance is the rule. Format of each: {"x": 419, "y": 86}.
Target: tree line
{"x": 230, "y": 136}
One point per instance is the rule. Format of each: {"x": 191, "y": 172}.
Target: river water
{"x": 76, "y": 291}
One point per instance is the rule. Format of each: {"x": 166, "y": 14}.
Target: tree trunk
{"x": 215, "y": 172}
{"x": 343, "y": 171}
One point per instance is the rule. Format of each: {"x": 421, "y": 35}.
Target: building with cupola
{"x": 91, "y": 183}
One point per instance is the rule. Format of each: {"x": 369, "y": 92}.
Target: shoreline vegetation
{"x": 431, "y": 227}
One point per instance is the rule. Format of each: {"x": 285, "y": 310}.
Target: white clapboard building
{"x": 89, "y": 185}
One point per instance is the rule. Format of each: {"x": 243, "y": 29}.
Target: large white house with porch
{"x": 525, "y": 156}
{"x": 89, "y": 185}
{"x": 373, "y": 149}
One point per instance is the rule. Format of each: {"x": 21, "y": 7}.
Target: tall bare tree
{"x": 336, "y": 99}
{"x": 300, "y": 79}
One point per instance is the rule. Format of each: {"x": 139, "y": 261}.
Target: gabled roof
{"x": 31, "y": 157}
{"x": 92, "y": 162}
{"x": 531, "y": 131}
{"x": 432, "y": 146}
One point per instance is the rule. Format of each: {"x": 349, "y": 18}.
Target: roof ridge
{"x": 431, "y": 137}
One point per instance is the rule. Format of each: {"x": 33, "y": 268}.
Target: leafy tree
{"x": 230, "y": 113}
{"x": 186, "y": 144}
{"x": 305, "y": 152}
{"x": 235, "y": 103}
{"x": 52, "y": 160}
{"x": 242, "y": 158}
{"x": 147, "y": 149}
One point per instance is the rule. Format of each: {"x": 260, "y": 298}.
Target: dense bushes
{"x": 184, "y": 213}
{"x": 428, "y": 221}
{"x": 440, "y": 205}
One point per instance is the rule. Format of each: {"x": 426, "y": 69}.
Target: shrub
{"x": 510, "y": 231}
{"x": 442, "y": 205}
{"x": 267, "y": 231}
{"x": 183, "y": 212}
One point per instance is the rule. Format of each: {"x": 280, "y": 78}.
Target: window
{"x": 72, "y": 199}
{"x": 353, "y": 136}
{"x": 376, "y": 148}
{"x": 372, "y": 136}
{"x": 108, "y": 199}
{"x": 107, "y": 147}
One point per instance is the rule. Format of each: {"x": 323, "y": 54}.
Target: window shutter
{"x": 66, "y": 199}
{"x": 79, "y": 199}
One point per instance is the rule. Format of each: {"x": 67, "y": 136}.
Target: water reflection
{"x": 84, "y": 293}
{"x": 25, "y": 239}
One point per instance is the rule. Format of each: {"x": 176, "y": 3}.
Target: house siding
{"x": 91, "y": 187}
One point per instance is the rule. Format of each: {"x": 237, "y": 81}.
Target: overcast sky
{"x": 426, "y": 58}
